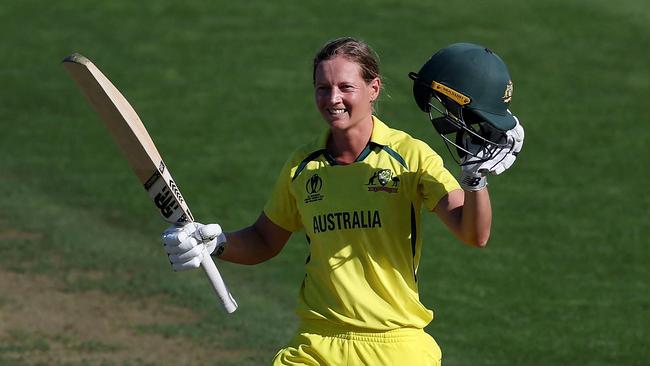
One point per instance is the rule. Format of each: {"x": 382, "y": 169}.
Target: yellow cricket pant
{"x": 318, "y": 344}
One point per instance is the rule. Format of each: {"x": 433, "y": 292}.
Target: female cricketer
{"x": 357, "y": 192}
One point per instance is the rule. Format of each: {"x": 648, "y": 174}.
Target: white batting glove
{"x": 474, "y": 175}
{"x": 186, "y": 246}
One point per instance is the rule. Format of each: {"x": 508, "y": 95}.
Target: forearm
{"x": 467, "y": 214}
{"x": 476, "y": 218}
{"x": 246, "y": 246}
{"x": 255, "y": 244}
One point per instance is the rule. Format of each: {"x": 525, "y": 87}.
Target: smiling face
{"x": 343, "y": 97}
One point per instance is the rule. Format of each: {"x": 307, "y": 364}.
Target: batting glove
{"x": 475, "y": 167}
{"x": 187, "y": 245}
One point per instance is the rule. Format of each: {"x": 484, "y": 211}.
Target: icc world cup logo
{"x": 314, "y": 184}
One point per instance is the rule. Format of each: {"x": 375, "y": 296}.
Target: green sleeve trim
{"x": 395, "y": 155}
{"x": 306, "y": 161}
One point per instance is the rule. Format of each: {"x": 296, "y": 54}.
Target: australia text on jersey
{"x": 347, "y": 220}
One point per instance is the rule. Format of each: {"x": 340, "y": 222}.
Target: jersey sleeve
{"x": 281, "y": 206}
{"x": 435, "y": 181}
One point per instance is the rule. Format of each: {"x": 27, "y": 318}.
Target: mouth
{"x": 336, "y": 111}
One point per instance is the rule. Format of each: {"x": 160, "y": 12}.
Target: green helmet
{"x": 467, "y": 77}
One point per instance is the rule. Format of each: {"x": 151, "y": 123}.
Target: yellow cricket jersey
{"x": 362, "y": 222}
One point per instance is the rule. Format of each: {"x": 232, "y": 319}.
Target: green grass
{"x": 226, "y": 86}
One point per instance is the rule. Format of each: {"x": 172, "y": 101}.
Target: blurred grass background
{"x": 226, "y": 87}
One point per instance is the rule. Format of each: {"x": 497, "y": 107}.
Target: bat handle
{"x": 218, "y": 285}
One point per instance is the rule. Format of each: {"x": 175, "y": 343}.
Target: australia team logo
{"x": 507, "y": 94}
{"x": 383, "y": 180}
{"x": 313, "y": 186}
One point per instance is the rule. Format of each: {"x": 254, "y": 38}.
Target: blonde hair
{"x": 354, "y": 50}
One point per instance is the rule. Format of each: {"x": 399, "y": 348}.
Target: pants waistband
{"x": 329, "y": 329}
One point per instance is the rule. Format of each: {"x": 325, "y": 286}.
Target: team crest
{"x": 383, "y": 180}
{"x": 384, "y": 176}
{"x": 507, "y": 95}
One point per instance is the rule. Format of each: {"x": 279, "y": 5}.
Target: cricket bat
{"x": 134, "y": 141}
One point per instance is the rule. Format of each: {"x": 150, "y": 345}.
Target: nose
{"x": 335, "y": 95}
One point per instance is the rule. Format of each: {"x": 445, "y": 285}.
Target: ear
{"x": 375, "y": 87}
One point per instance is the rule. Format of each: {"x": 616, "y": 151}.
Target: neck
{"x": 346, "y": 145}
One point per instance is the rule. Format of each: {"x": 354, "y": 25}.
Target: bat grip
{"x": 218, "y": 285}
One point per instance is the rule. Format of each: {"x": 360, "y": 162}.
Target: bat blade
{"x": 134, "y": 141}
{"x": 131, "y": 136}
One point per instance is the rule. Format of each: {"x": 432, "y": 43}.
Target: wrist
{"x": 472, "y": 181}
{"x": 221, "y": 245}
{"x": 219, "y": 250}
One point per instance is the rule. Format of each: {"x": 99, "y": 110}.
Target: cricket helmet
{"x": 471, "y": 76}
{"x": 468, "y": 85}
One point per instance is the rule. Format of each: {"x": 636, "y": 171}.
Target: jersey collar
{"x": 380, "y": 132}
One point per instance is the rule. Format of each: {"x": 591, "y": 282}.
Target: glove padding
{"x": 187, "y": 245}
{"x": 502, "y": 160}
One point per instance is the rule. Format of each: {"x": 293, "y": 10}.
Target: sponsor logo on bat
{"x": 151, "y": 181}
{"x": 186, "y": 217}
{"x": 165, "y": 202}
{"x": 176, "y": 191}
